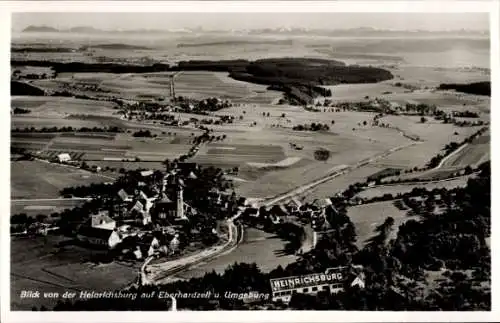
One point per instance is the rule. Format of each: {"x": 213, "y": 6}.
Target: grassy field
{"x": 40, "y": 264}
{"x": 367, "y": 217}
{"x": 472, "y": 155}
{"x": 200, "y": 85}
{"x": 105, "y": 146}
{"x": 62, "y": 106}
{"x": 404, "y": 188}
{"x": 33, "y": 208}
{"x": 359, "y": 92}
{"x": 239, "y": 154}
{"x": 196, "y": 85}
{"x": 434, "y": 135}
{"x": 432, "y": 76}
{"x": 265, "y": 249}
{"x": 35, "y": 179}
{"x": 346, "y": 145}
{"x": 330, "y": 188}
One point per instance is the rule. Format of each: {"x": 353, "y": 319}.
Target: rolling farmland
{"x": 36, "y": 179}
{"x": 33, "y": 207}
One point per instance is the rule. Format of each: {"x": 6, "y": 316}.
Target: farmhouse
{"x": 124, "y": 196}
{"x": 64, "y": 158}
{"x": 150, "y": 245}
{"x": 293, "y": 205}
{"x": 321, "y": 203}
{"x": 97, "y": 237}
{"x": 139, "y": 209}
{"x": 146, "y": 173}
{"x": 319, "y": 206}
{"x": 102, "y": 220}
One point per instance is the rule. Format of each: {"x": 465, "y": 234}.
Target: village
{"x": 148, "y": 214}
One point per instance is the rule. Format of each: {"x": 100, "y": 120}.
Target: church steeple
{"x": 180, "y": 198}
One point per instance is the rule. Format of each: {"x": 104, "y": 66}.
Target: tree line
{"x": 113, "y": 129}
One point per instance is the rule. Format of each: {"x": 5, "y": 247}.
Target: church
{"x": 168, "y": 209}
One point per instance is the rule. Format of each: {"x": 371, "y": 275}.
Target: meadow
{"x": 367, "y": 217}
{"x": 61, "y": 107}
{"x": 46, "y": 207}
{"x": 44, "y": 264}
{"x": 38, "y": 180}
{"x": 265, "y": 249}
{"x": 472, "y": 155}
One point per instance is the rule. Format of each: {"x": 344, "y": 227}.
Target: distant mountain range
{"x": 362, "y": 31}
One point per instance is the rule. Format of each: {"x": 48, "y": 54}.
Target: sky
{"x": 222, "y": 21}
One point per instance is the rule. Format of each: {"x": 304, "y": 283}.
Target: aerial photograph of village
{"x": 250, "y": 161}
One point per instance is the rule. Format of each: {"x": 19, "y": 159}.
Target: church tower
{"x": 180, "y": 200}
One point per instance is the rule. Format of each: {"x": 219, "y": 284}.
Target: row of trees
{"x": 312, "y": 127}
{"x": 21, "y": 111}
{"x": 143, "y": 134}
{"x": 112, "y": 129}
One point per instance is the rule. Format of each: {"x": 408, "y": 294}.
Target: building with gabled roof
{"x": 293, "y": 205}
{"x": 102, "y": 220}
{"x": 192, "y": 175}
{"x": 146, "y": 173}
{"x": 64, "y": 158}
{"x": 321, "y": 203}
{"x": 124, "y": 196}
{"x": 98, "y": 237}
{"x": 136, "y": 206}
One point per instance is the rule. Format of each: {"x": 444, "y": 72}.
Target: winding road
{"x": 161, "y": 272}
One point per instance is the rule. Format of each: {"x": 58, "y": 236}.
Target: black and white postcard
{"x": 287, "y": 156}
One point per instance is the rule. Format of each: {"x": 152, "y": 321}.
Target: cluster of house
{"x": 148, "y": 224}
{"x": 102, "y": 231}
{"x": 314, "y": 212}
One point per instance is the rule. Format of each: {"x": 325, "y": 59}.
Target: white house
{"x": 146, "y": 173}
{"x": 293, "y": 205}
{"x": 174, "y": 243}
{"x": 102, "y": 221}
{"x": 153, "y": 246}
{"x": 124, "y": 196}
{"x": 64, "y": 157}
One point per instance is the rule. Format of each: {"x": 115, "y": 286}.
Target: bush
{"x": 322, "y": 154}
